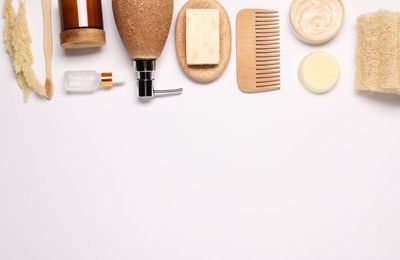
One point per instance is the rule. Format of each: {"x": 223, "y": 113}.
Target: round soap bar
{"x": 319, "y": 72}
{"x": 316, "y": 21}
{"x": 203, "y": 73}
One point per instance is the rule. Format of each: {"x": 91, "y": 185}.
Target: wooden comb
{"x": 258, "y": 50}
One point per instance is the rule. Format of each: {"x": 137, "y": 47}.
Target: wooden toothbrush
{"x": 48, "y": 47}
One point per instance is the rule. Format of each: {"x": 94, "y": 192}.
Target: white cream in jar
{"x": 316, "y": 21}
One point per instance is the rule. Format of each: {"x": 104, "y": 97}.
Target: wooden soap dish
{"x": 203, "y": 73}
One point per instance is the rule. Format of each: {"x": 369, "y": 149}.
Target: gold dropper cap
{"x": 107, "y": 80}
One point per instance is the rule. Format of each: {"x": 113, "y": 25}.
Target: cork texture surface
{"x": 203, "y": 73}
{"x": 143, "y": 25}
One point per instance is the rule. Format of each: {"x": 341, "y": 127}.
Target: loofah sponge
{"x": 378, "y": 52}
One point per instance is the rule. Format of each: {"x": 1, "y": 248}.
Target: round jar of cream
{"x": 316, "y": 21}
{"x": 81, "y": 24}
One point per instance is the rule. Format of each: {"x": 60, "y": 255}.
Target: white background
{"x": 212, "y": 174}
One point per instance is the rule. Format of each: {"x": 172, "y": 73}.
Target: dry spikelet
{"x": 24, "y": 86}
{"x": 27, "y": 93}
{"x": 18, "y": 42}
{"x": 21, "y": 40}
{"x": 32, "y": 80}
{"x": 21, "y": 81}
{"x": 9, "y": 16}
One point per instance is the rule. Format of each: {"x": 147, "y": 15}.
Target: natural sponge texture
{"x": 378, "y": 52}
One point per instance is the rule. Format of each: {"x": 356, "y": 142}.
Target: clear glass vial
{"x": 87, "y": 81}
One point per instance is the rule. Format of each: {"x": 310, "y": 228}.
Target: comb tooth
{"x": 269, "y": 33}
{"x": 268, "y": 27}
{"x": 266, "y": 71}
{"x": 269, "y": 23}
{"x": 271, "y": 89}
{"x": 267, "y": 40}
{"x": 272, "y": 78}
{"x": 261, "y": 48}
{"x": 267, "y": 15}
{"x": 269, "y": 72}
{"x": 268, "y": 56}
{"x": 274, "y": 21}
{"x": 270, "y": 83}
{"x": 269, "y": 86}
{"x": 275, "y": 80}
{"x": 266, "y": 19}
{"x": 266, "y": 31}
{"x": 268, "y": 63}
{"x": 271, "y": 41}
{"x": 269, "y": 78}
{"x": 266, "y": 12}
{"x": 273, "y": 63}
{"x": 277, "y": 59}
{"x": 267, "y": 59}
{"x": 274, "y": 40}
{"x": 259, "y": 22}
{"x": 262, "y": 61}
{"x": 266, "y": 79}
{"x": 262, "y": 71}
{"x": 259, "y": 36}
{"x": 267, "y": 44}
{"x": 268, "y": 51}
{"x": 269, "y": 48}
{"x": 268, "y": 67}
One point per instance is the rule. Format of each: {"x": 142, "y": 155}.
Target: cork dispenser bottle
{"x": 144, "y": 26}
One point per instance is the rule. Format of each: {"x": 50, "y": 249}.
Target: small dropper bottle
{"x": 87, "y": 81}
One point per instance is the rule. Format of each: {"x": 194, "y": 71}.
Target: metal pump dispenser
{"x": 145, "y": 79}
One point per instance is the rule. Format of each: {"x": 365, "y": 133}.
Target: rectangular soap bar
{"x": 202, "y": 36}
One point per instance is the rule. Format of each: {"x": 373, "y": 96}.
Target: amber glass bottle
{"x": 81, "y": 24}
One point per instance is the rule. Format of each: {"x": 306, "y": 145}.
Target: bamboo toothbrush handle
{"x": 47, "y": 36}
